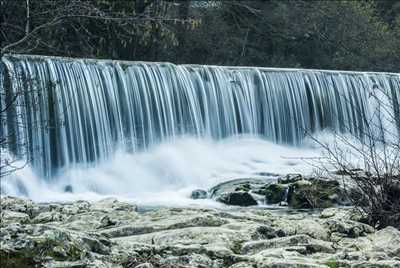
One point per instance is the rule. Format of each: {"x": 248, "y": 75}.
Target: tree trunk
{"x": 181, "y": 32}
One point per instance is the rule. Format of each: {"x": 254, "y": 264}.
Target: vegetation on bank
{"x": 369, "y": 161}
{"x": 340, "y": 34}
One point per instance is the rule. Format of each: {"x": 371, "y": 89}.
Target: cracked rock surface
{"x": 110, "y": 233}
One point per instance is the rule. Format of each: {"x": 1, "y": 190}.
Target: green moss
{"x": 243, "y": 187}
{"x": 332, "y": 264}
{"x": 42, "y": 249}
{"x": 124, "y": 66}
{"x": 17, "y": 260}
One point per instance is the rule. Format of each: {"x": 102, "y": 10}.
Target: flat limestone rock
{"x": 165, "y": 219}
{"x": 387, "y": 240}
{"x": 311, "y": 245}
{"x": 242, "y": 265}
{"x": 29, "y": 245}
{"x": 110, "y": 233}
{"x": 311, "y": 227}
{"x": 9, "y": 216}
{"x": 189, "y": 236}
{"x": 288, "y": 263}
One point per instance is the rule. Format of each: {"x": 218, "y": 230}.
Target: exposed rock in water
{"x": 290, "y": 178}
{"x": 303, "y": 193}
{"x": 68, "y": 189}
{"x": 274, "y": 193}
{"x": 238, "y": 198}
{"x": 293, "y": 190}
{"x": 246, "y": 185}
{"x": 238, "y": 192}
{"x": 315, "y": 193}
{"x": 110, "y": 233}
{"x": 199, "y": 194}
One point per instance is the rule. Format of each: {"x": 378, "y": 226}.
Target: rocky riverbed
{"x": 110, "y": 233}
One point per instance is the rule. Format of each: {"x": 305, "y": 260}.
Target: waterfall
{"x": 72, "y": 111}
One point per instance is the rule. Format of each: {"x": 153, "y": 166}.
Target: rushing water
{"x": 71, "y": 113}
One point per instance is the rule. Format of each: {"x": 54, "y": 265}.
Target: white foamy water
{"x": 166, "y": 174}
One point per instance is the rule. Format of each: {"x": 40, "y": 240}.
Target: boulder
{"x": 302, "y": 243}
{"x": 30, "y": 245}
{"x": 74, "y": 208}
{"x": 307, "y": 226}
{"x": 314, "y": 193}
{"x": 267, "y": 232}
{"x": 218, "y": 242}
{"x": 242, "y": 185}
{"x": 199, "y": 194}
{"x": 275, "y": 193}
{"x": 387, "y": 240}
{"x": 239, "y": 198}
{"x": 290, "y": 178}
{"x": 49, "y": 216}
{"x": 282, "y": 258}
{"x": 68, "y": 189}
{"x": 18, "y": 204}
{"x": 300, "y": 192}
{"x": 238, "y": 192}
{"x": 163, "y": 219}
{"x": 328, "y": 213}
{"x": 8, "y": 216}
{"x": 347, "y": 227}
{"x": 112, "y": 204}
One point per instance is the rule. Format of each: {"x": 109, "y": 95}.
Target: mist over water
{"x": 167, "y": 173}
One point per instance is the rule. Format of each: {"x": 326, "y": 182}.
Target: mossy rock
{"x": 238, "y": 198}
{"x": 332, "y": 264}
{"x": 37, "y": 253}
{"x": 317, "y": 193}
{"x": 18, "y": 259}
{"x": 235, "y": 185}
{"x": 275, "y": 193}
{"x": 290, "y": 178}
{"x": 42, "y": 243}
{"x": 243, "y": 187}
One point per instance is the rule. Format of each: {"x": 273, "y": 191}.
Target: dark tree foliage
{"x": 307, "y": 34}
{"x": 118, "y": 29}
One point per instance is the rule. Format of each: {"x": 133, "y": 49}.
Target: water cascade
{"x": 78, "y": 111}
